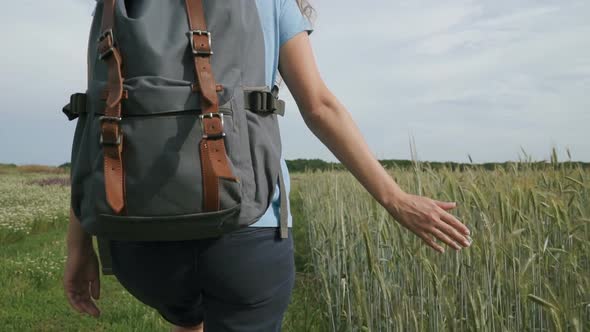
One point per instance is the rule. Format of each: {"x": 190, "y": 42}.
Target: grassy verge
{"x": 31, "y": 296}
{"x": 33, "y": 256}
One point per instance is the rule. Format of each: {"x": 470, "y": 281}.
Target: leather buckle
{"x": 210, "y": 116}
{"x": 110, "y": 48}
{"x": 119, "y": 134}
{"x": 200, "y": 52}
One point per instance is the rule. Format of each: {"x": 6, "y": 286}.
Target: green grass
{"x": 31, "y": 296}
{"x": 32, "y": 299}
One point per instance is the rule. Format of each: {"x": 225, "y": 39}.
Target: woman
{"x": 250, "y": 291}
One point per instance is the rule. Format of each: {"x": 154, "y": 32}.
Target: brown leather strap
{"x": 214, "y": 161}
{"x": 200, "y": 44}
{"x": 111, "y": 135}
{"x": 195, "y": 87}
{"x": 105, "y": 94}
{"x": 209, "y": 179}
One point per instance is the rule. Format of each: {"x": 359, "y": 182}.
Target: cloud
{"x": 463, "y": 77}
{"x": 482, "y": 77}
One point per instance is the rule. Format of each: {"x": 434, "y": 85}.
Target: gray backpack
{"x": 177, "y": 135}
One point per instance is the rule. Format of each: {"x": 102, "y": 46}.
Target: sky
{"x": 485, "y": 79}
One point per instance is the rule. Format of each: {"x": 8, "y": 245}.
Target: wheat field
{"x": 528, "y": 268}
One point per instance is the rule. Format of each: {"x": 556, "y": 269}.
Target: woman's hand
{"x": 81, "y": 276}
{"x": 81, "y": 280}
{"x": 429, "y": 219}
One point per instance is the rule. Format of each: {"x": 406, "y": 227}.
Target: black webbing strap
{"x": 104, "y": 252}
{"x": 76, "y": 106}
{"x": 260, "y": 101}
{"x": 284, "y": 209}
{"x": 256, "y": 101}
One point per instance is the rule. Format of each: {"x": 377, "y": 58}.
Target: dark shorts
{"x": 239, "y": 282}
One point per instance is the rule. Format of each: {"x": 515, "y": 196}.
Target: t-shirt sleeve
{"x": 291, "y": 21}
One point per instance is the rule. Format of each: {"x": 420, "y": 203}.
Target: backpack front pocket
{"x": 163, "y": 167}
{"x": 163, "y": 180}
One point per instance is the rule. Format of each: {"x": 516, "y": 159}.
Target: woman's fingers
{"x": 453, "y": 221}
{"x": 445, "y": 239}
{"x": 445, "y": 205}
{"x": 430, "y": 241}
{"x": 74, "y": 302}
{"x": 81, "y": 301}
{"x": 89, "y": 307}
{"x": 453, "y": 233}
{"x": 85, "y": 302}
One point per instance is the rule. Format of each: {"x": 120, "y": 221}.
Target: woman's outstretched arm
{"x": 330, "y": 122}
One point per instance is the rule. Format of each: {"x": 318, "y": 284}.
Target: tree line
{"x": 303, "y": 165}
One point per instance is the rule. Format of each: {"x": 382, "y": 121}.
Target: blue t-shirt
{"x": 280, "y": 20}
